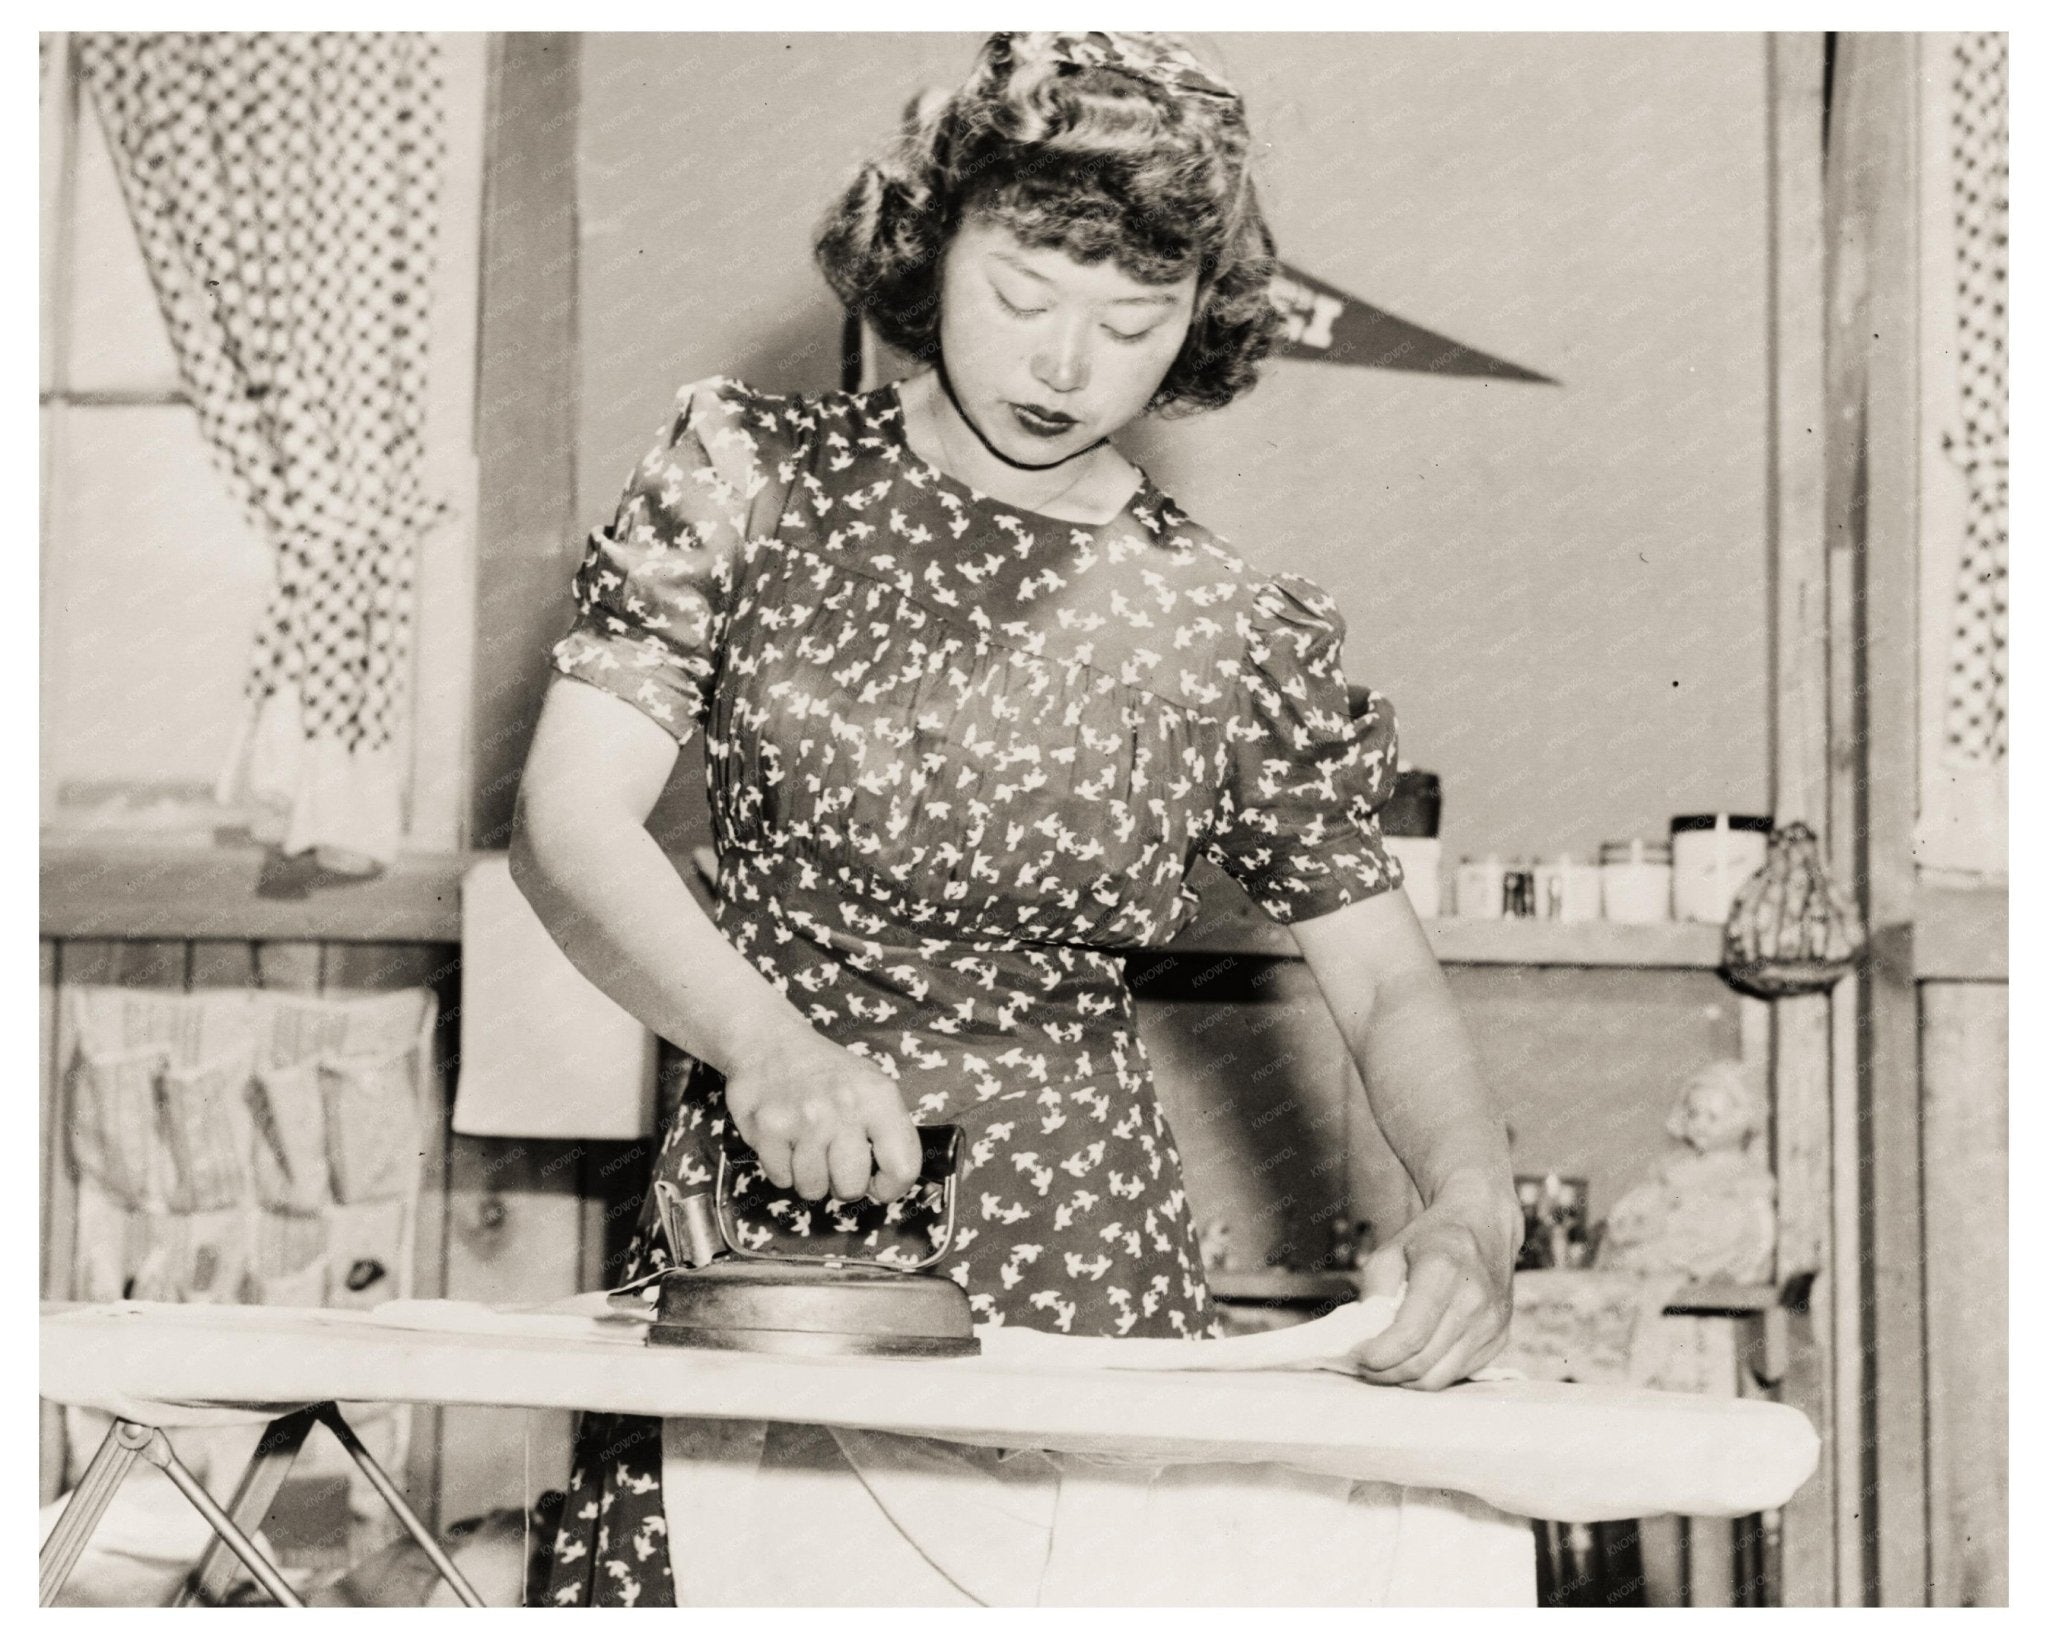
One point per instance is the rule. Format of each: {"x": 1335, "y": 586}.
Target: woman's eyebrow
{"x": 1161, "y": 300}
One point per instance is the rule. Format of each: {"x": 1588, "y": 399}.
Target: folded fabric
{"x": 1327, "y": 1343}
{"x": 589, "y": 1319}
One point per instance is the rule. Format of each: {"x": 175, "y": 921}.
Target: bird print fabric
{"x": 960, "y": 757}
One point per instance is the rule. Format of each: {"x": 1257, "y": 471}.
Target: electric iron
{"x": 723, "y": 1294}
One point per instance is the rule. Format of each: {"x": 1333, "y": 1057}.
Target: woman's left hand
{"x": 1457, "y": 1259}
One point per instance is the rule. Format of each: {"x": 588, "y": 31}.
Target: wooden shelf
{"x": 1472, "y": 941}
{"x": 99, "y": 890}
{"x": 238, "y": 890}
{"x": 1961, "y": 934}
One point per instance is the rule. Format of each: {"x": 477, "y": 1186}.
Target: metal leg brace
{"x": 234, "y": 1526}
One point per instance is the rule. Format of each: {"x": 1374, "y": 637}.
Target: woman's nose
{"x": 1063, "y": 362}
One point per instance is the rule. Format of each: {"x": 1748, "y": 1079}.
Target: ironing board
{"x": 1558, "y": 1451}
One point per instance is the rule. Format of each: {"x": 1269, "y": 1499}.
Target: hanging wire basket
{"x": 1790, "y": 932}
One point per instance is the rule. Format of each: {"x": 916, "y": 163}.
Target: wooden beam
{"x": 1845, "y": 359}
{"x": 445, "y": 570}
{"x": 526, "y": 409}
{"x": 1873, "y": 334}
{"x": 1796, "y": 487}
{"x": 59, "y": 1216}
{"x": 370, "y": 968}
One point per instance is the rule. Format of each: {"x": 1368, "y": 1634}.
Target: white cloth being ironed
{"x": 786, "y": 1514}
{"x": 764, "y": 1513}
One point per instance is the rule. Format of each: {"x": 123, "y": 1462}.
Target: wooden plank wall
{"x": 499, "y": 1220}
{"x": 1964, "y": 1102}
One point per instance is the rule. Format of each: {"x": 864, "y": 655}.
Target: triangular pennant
{"x": 1325, "y": 324}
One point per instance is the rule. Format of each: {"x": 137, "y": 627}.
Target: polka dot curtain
{"x": 1974, "y": 434}
{"x": 284, "y": 188}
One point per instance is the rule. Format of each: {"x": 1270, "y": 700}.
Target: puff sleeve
{"x": 1297, "y": 817}
{"x": 655, "y": 587}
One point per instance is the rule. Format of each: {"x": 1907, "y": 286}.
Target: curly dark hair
{"x": 1085, "y": 158}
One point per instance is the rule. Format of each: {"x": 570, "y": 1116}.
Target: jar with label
{"x": 1481, "y": 884}
{"x": 1635, "y": 881}
{"x": 1568, "y": 890}
{"x": 1518, "y": 888}
{"x": 1712, "y": 855}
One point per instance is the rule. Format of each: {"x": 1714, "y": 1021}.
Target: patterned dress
{"x": 960, "y": 756}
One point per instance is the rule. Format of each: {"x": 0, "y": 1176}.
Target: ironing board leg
{"x": 75, "y": 1526}
{"x": 261, "y": 1480}
{"x": 126, "y": 1441}
{"x": 158, "y": 1450}
{"x": 394, "y": 1499}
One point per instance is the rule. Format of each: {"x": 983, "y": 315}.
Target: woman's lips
{"x": 1041, "y": 424}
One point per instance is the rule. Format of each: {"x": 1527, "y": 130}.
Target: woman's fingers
{"x": 898, "y": 1153}
{"x": 850, "y": 1163}
{"x": 810, "y": 1170}
{"x": 1477, "y": 1343}
{"x": 839, "y": 1133}
{"x": 773, "y": 1138}
{"x": 1450, "y": 1332}
{"x": 1432, "y": 1283}
{"x": 1384, "y": 1273}
{"x": 774, "y": 1156}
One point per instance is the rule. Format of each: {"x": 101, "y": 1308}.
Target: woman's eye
{"x": 1031, "y": 312}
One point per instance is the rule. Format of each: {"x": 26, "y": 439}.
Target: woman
{"x": 973, "y": 693}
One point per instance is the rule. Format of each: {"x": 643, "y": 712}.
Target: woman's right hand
{"x": 824, "y": 1121}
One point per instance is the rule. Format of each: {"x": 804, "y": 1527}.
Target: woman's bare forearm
{"x": 628, "y": 922}
{"x": 1428, "y": 1091}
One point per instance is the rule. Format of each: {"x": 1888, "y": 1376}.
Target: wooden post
{"x": 1873, "y": 339}
{"x": 59, "y": 1206}
{"x": 1802, "y": 1131}
{"x": 373, "y": 968}
{"x": 526, "y": 408}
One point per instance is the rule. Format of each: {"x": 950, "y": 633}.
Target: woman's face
{"x": 1026, "y": 329}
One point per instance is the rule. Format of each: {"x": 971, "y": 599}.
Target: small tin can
{"x": 1518, "y": 889}
{"x": 1567, "y": 890}
{"x": 1581, "y": 889}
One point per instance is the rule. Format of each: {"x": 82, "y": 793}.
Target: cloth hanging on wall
{"x": 248, "y": 1146}
{"x": 284, "y": 190}
{"x": 1974, "y": 426}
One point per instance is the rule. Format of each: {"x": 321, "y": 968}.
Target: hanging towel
{"x": 545, "y": 1053}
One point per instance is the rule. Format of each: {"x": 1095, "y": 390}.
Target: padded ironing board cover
{"x": 1558, "y": 1451}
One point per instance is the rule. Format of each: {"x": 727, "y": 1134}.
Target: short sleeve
{"x": 655, "y": 586}
{"x": 1306, "y": 771}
